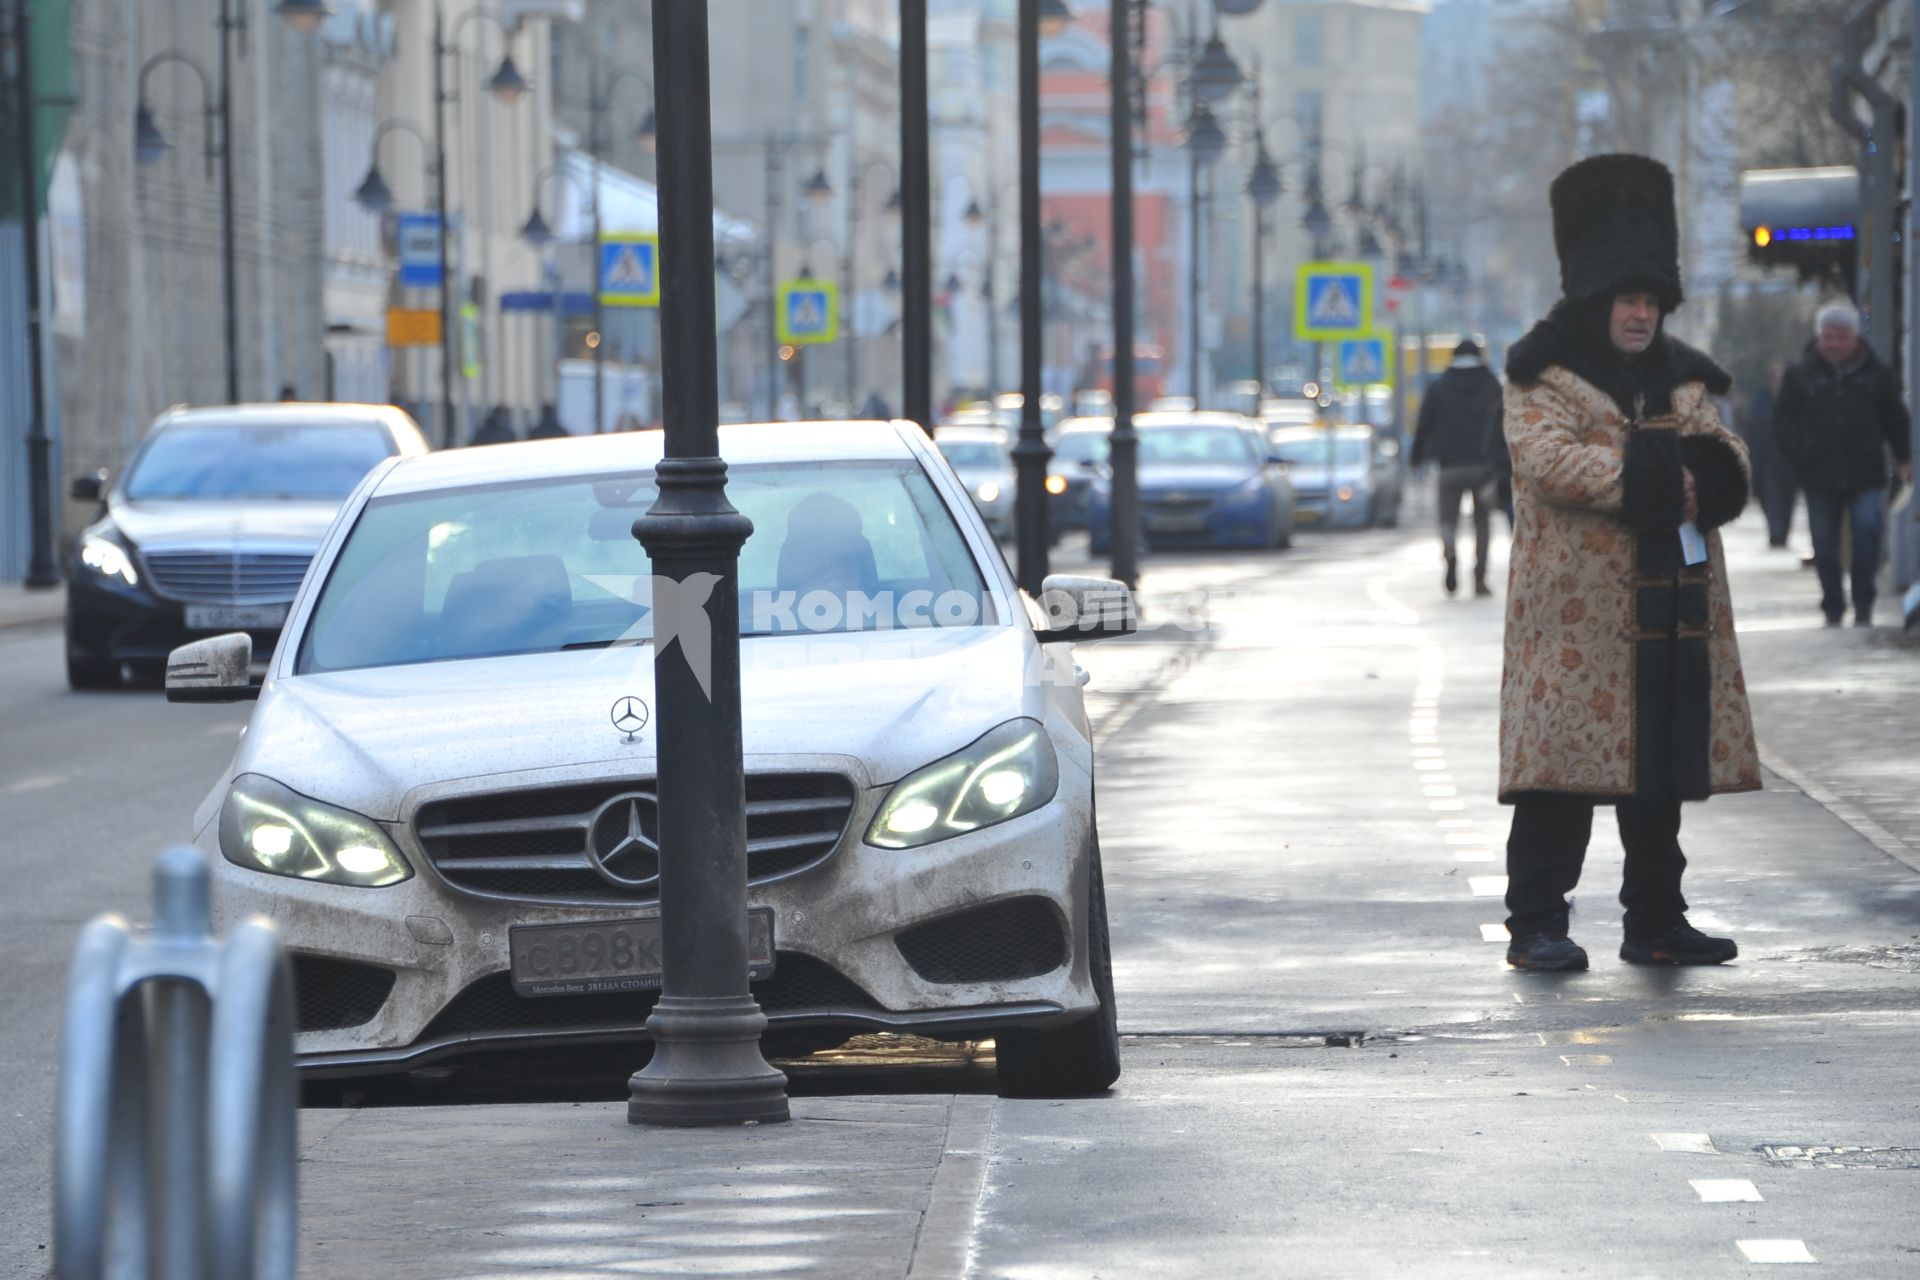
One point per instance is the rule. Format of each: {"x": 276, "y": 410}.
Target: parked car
{"x": 445, "y": 795}
{"x": 210, "y": 528}
{"x": 983, "y": 459}
{"x": 1206, "y": 480}
{"x": 1079, "y": 454}
{"x": 1361, "y": 487}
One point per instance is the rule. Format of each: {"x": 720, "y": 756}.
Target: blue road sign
{"x": 809, "y": 311}
{"x": 1333, "y": 300}
{"x": 419, "y": 236}
{"x": 1361, "y": 362}
{"x": 630, "y": 270}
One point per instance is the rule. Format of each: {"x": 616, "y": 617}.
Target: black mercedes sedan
{"x": 211, "y": 526}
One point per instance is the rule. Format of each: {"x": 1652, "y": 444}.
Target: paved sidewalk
{"x": 20, "y": 607}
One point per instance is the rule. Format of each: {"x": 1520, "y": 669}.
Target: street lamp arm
{"x": 185, "y": 59}
{"x": 148, "y": 142}
{"x": 403, "y": 125}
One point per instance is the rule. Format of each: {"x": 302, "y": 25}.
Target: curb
{"x": 21, "y": 608}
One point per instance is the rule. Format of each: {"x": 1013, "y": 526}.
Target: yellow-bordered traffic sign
{"x": 630, "y": 269}
{"x": 1333, "y": 300}
{"x": 809, "y": 311}
{"x": 1365, "y": 361}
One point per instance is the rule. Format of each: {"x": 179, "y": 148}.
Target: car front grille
{"x": 330, "y": 994}
{"x": 1002, "y": 942}
{"x": 227, "y": 577}
{"x": 1178, "y": 505}
{"x": 798, "y": 983}
{"x": 534, "y": 844}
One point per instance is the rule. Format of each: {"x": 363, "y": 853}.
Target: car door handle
{"x": 1081, "y": 675}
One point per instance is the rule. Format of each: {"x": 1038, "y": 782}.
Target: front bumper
{"x": 110, "y": 621}
{"x": 836, "y": 927}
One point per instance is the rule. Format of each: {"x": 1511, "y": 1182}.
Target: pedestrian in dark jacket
{"x": 1773, "y": 482}
{"x": 1458, "y": 423}
{"x": 496, "y": 428}
{"x": 549, "y": 425}
{"x": 1838, "y": 414}
{"x": 1621, "y": 682}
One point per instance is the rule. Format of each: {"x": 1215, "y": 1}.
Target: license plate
{"x": 610, "y": 955}
{"x": 235, "y": 617}
{"x": 1176, "y": 524}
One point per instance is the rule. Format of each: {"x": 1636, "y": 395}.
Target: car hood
{"x": 214, "y": 524}
{"x": 1158, "y": 479}
{"x": 892, "y": 700}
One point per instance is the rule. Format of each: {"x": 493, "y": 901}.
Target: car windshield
{"x": 1080, "y": 446}
{"x": 540, "y": 566}
{"x": 973, "y": 455}
{"x": 1311, "y": 451}
{"x": 315, "y": 461}
{"x": 1194, "y": 447}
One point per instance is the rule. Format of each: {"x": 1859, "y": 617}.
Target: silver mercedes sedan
{"x": 446, "y": 793}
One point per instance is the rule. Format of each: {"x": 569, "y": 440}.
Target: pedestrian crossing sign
{"x": 809, "y": 311}
{"x": 1362, "y": 362}
{"x": 1332, "y": 300}
{"x": 630, "y": 270}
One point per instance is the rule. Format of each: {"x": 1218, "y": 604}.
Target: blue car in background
{"x": 1206, "y": 480}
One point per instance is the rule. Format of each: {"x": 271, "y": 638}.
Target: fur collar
{"x": 1571, "y": 339}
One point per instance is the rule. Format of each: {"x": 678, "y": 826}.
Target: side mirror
{"x": 1084, "y": 608}
{"x": 217, "y": 669}
{"x": 88, "y": 488}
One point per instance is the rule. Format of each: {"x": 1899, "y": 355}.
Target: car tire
{"x": 91, "y": 673}
{"x": 1083, "y": 1057}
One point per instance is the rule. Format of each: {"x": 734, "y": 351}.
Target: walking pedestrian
{"x": 1838, "y": 414}
{"x": 548, "y": 427}
{"x": 1622, "y": 681}
{"x": 1458, "y": 418}
{"x": 495, "y": 428}
{"x": 1773, "y": 482}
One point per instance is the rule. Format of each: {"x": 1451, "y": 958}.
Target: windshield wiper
{"x": 617, "y": 641}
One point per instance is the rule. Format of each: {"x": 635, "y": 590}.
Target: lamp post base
{"x": 707, "y": 1069}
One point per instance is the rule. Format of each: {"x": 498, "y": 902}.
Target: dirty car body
{"x": 445, "y": 796}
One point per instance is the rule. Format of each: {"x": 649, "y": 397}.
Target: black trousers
{"x": 1548, "y": 845}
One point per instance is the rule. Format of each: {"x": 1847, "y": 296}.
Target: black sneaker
{"x": 1453, "y": 575}
{"x": 1678, "y": 944}
{"x": 1538, "y": 951}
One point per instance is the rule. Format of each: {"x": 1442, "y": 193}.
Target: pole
{"x": 1259, "y": 304}
{"x": 41, "y": 570}
{"x": 774, "y": 375}
{"x": 1030, "y": 452}
{"x": 228, "y": 276}
{"x": 707, "y": 1068}
{"x": 993, "y": 309}
{"x": 916, "y": 220}
{"x": 596, "y": 108}
{"x": 448, "y": 436}
{"x": 847, "y": 354}
{"x": 1123, "y": 445}
{"x": 1193, "y": 276}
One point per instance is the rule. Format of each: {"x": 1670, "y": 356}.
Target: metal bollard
{"x": 176, "y": 1141}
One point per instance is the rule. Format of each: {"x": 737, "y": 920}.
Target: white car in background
{"x": 983, "y": 459}
{"x": 445, "y": 795}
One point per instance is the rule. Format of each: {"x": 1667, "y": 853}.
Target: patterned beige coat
{"x": 1622, "y": 674}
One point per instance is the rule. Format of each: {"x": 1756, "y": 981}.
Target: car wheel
{"x": 1082, "y": 1057}
{"x": 91, "y": 673}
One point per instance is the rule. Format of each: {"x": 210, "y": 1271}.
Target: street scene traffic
{"x": 978, "y": 638}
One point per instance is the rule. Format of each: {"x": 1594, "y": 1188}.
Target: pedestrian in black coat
{"x": 1773, "y": 481}
{"x": 549, "y": 426}
{"x": 1838, "y": 414}
{"x": 1457, "y": 431}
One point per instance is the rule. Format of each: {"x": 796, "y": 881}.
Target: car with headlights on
{"x": 210, "y": 527}
{"x": 445, "y": 795}
{"x": 1206, "y": 480}
{"x": 983, "y": 459}
{"x": 1343, "y": 476}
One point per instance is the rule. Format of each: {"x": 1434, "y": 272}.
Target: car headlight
{"x": 1009, "y": 771}
{"x": 105, "y": 556}
{"x": 1345, "y": 493}
{"x": 267, "y": 827}
{"x": 989, "y": 492}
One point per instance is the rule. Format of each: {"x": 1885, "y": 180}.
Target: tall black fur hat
{"x": 1614, "y": 226}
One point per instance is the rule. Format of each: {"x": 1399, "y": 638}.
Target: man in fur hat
{"x": 1622, "y": 682}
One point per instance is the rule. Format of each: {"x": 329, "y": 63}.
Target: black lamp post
{"x": 707, "y": 1068}
{"x": 42, "y": 573}
{"x": 1030, "y": 451}
{"x": 507, "y": 86}
{"x": 149, "y": 144}
{"x": 1124, "y": 443}
{"x": 856, "y": 181}
{"x": 1263, "y": 188}
{"x": 916, "y": 221}
{"x": 1205, "y": 144}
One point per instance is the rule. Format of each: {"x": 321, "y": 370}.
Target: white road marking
{"x": 1587, "y": 1059}
{"x": 38, "y": 782}
{"x": 1493, "y": 933}
{"x": 1488, "y": 886}
{"x": 1725, "y": 1190}
{"x": 1696, "y": 1143}
{"x": 1775, "y": 1250}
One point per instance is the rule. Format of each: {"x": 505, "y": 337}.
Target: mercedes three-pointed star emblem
{"x": 629, "y": 717}
{"x": 618, "y": 846}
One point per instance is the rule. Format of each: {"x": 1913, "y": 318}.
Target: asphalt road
{"x": 1329, "y": 1071}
